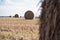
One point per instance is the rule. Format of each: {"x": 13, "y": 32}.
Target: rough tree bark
{"x": 50, "y": 20}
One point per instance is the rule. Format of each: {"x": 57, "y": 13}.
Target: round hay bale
{"x": 16, "y": 16}
{"x": 10, "y": 16}
{"x": 29, "y": 15}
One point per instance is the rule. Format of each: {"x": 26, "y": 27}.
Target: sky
{"x": 12, "y": 7}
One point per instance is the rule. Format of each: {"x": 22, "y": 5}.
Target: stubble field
{"x": 19, "y": 29}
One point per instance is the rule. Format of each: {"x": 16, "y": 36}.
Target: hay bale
{"x": 10, "y": 16}
{"x": 16, "y": 16}
{"x": 29, "y": 15}
{"x": 50, "y": 20}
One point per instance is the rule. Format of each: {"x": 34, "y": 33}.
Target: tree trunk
{"x": 50, "y": 20}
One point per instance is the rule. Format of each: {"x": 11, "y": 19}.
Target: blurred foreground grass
{"x": 19, "y": 29}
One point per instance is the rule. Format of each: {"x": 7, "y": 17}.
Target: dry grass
{"x": 19, "y": 29}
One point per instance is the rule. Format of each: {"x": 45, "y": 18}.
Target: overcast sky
{"x": 12, "y": 7}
